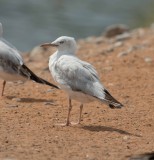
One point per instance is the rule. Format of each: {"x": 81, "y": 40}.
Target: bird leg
{"x": 69, "y": 111}
{"x": 68, "y": 116}
{"x": 81, "y": 108}
{"x": 80, "y": 115}
{"x": 4, "y": 82}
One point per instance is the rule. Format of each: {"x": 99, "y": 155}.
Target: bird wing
{"x": 8, "y": 50}
{"x": 10, "y": 59}
{"x": 78, "y": 75}
{"x": 81, "y": 76}
{"x": 11, "y": 62}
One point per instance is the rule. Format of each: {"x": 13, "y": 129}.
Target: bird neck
{"x": 65, "y": 52}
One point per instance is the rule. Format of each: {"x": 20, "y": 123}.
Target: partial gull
{"x": 76, "y": 77}
{"x": 12, "y": 67}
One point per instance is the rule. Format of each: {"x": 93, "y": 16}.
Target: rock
{"x": 16, "y": 99}
{"x": 109, "y": 68}
{"x": 138, "y": 33}
{"x": 90, "y": 157}
{"x": 123, "y": 36}
{"x": 12, "y": 105}
{"x": 8, "y": 159}
{"x": 118, "y": 44}
{"x": 108, "y": 50}
{"x": 89, "y": 39}
{"x": 123, "y": 54}
{"x": 112, "y": 47}
{"x": 48, "y": 103}
{"x": 148, "y": 59}
{"x": 152, "y": 26}
{"x": 38, "y": 53}
{"x": 99, "y": 40}
{"x": 125, "y": 138}
{"x": 129, "y": 50}
{"x": 50, "y": 90}
{"x": 20, "y": 82}
{"x": 110, "y": 84}
{"x": 116, "y": 29}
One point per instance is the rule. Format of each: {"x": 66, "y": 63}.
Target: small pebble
{"x": 110, "y": 49}
{"x": 109, "y": 68}
{"x": 50, "y": 90}
{"x": 48, "y": 103}
{"x": 117, "y": 44}
{"x": 148, "y": 59}
{"x": 20, "y": 82}
{"x": 99, "y": 40}
{"x": 16, "y": 99}
{"x": 90, "y": 157}
{"x": 122, "y": 37}
{"x": 13, "y": 105}
{"x": 125, "y": 138}
{"x": 89, "y": 39}
{"x": 8, "y": 159}
{"x": 110, "y": 84}
{"x": 123, "y": 54}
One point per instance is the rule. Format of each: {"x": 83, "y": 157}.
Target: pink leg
{"x": 69, "y": 111}
{"x": 79, "y": 121}
{"x": 4, "y": 82}
{"x": 81, "y": 108}
{"x": 68, "y": 116}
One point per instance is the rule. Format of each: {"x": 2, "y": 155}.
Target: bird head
{"x": 63, "y": 44}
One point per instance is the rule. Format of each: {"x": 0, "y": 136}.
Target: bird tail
{"x": 37, "y": 79}
{"x": 111, "y": 101}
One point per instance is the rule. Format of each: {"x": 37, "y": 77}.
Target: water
{"x": 28, "y": 23}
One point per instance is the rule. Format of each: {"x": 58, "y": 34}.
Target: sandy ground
{"x": 29, "y": 112}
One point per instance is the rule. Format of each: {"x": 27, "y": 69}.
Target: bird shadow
{"x": 144, "y": 156}
{"x": 31, "y": 100}
{"x": 109, "y": 129}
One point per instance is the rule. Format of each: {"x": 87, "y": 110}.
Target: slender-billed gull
{"x": 78, "y": 78}
{"x": 12, "y": 67}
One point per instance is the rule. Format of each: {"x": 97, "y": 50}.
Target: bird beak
{"x": 49, "y": 44}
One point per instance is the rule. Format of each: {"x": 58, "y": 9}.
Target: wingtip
{"x": 118, "y": 106}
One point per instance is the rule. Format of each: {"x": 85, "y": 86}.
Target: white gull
{"x": 76, "y": 77}
{"x": 12, "y": 67}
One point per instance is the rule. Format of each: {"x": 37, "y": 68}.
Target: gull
{"x": 77, "y": 78}
{"x": 12, "y": 67}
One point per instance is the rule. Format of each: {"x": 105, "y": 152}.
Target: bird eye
{"x": 61, "y": 42}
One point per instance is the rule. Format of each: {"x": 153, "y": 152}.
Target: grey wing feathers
{"x": 96, "y": 89}
{"x": 9, "y": 52}
{"x": 10, "y": 59}
{"x": 81, "y": 76}
{"x": 91, "y": 69}
{"x": 78, "y": 75}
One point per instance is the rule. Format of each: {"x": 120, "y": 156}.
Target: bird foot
{"x": 75, "y": 123}
{"x": 2, "y": 96}
{"x": 67, "y": 124}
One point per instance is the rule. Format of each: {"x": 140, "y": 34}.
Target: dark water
{"x": 28, "y": 23}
